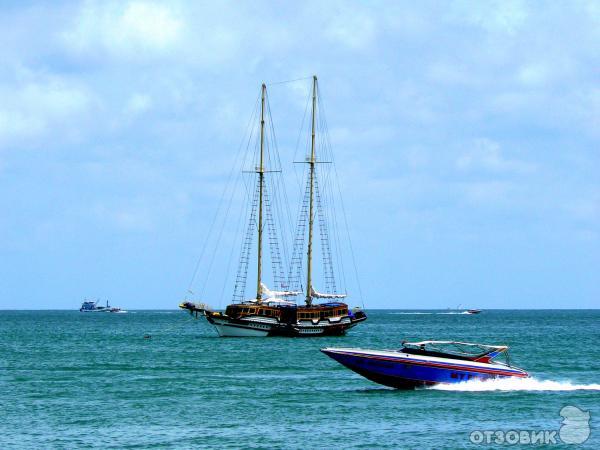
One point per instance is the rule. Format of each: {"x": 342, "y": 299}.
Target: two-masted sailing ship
{"x": 274, "y": 312}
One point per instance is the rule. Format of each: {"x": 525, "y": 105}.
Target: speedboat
{"x": 428, "y": 363}
{"x": 466, "y": 311}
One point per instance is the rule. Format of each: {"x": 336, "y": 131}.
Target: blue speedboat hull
{"x": 407, "y": 371}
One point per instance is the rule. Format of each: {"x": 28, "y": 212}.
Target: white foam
{"x": 515, "y": 384}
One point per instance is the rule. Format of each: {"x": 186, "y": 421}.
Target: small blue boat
{"x": 427, "y": 363}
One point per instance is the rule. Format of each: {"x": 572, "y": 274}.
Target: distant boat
{"x": 270, "y": 312}
{"x": 428, "y": 363}
{"x": 468, "y": 311}
{"x": 92, "y": 306}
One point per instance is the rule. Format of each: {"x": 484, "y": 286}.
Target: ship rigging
{"x": 272, "y": 312}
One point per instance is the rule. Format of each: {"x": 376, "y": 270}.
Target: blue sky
{"x": 466, "y": 137}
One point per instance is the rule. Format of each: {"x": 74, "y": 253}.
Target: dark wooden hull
{"x": 295, "y": 330}
{"x": 263, "y": 321}
{"x": 253, "y": 327}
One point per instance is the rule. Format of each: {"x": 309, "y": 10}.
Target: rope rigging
{"x": 275, "y": 206}
{"x": 286, "y": 238}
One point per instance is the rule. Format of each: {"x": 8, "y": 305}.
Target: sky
{"x": 466, "y": 138}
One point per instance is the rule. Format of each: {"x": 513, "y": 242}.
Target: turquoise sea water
{"x": 71, "y": 380}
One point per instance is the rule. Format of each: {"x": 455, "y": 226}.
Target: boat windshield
{"x": 457, "y": 350}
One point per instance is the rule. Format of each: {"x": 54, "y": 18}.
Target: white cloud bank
{"x": 124, "y": 29}
{"x": 486, "y": 155}
{"x": 38, "y": 105}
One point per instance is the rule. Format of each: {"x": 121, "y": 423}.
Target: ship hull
{"x": 248, "y": 327}
{"x": 408, "y": 372}
{"x": 322, "y": 328}
{"x": 227, "y": 327}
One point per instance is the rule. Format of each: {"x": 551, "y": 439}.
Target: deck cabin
{"x": 313, "y": 312}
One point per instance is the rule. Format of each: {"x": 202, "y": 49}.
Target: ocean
{"x": 81, "y": 380}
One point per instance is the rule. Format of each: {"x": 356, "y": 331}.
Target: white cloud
{"x": 591, "y": 9}
{"x": 450, "y": 73}
{"x": 184, "y": 34}
{"x": 485, "y": 154}
{"x": 592, "y": 118}
{"x": 138, "y": 104}
{"x": 149, "y": 25}
{"x": 126, "y": 217}
{"x": 352, "y": 27}
{"x": 487, "y": 192}
{"x": 554, "y": 69}
{"x": 501, "y": 16}
{"x": 585, "y": 209}
{"x": 37, "y": 105}
{"x": 533, "y": 74}
{"x": 124, "y": 29}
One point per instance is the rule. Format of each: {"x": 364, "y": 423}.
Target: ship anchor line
{"x": 275, "y": 312}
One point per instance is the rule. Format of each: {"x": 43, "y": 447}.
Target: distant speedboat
{"x": 92, "y": 306}
{"x": 428, "y": 363}
{"x": 467, "y": 311}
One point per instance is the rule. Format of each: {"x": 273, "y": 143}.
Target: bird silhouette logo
{"x": 575, "y": 428}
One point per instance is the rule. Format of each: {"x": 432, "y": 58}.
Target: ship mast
{"x": 311, "y": 162}
{"x": 261, "y": 175}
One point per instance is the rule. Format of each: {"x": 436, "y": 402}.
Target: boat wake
{"x": 515, "y": 384}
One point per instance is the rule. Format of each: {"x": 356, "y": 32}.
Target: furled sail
{"x": 274, "y": 294}
{"x": 316, "y": 294}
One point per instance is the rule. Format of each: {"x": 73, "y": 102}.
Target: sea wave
{"x": 429, "y": 313}
{"x": 515, "y": 384}
{"x": 410, "y": 313}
